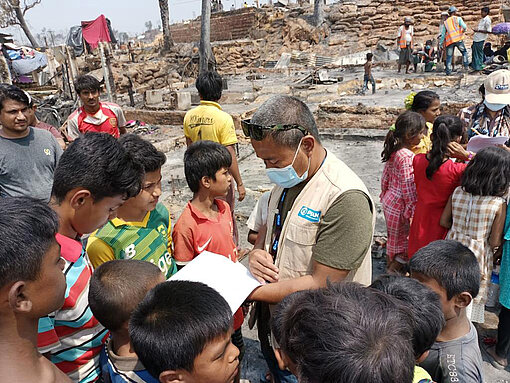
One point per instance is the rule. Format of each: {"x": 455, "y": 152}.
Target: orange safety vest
{"x": 403, "y": 42}
{"x": 454, "y": 33}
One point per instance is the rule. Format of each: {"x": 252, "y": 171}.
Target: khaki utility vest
{"x": 299, "y": 231}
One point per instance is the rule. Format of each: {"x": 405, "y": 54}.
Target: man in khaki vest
{"x": 320, "y": 217}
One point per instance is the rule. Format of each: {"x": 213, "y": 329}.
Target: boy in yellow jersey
{"x": 209, "y": 122}
{"x": 142, "y": 227}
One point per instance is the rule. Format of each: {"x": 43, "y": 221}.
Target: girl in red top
{"x": 436, "y": 176}
{"x": 398, "y": 196}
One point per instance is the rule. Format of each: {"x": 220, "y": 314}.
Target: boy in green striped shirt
{"x": 142, "y": 227}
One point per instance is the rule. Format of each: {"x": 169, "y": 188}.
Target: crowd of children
{"x": 102, "y": 309}
{"x": 448, "y": 192}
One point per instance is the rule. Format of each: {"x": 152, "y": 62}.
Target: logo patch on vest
{"x": 309, "y": 214}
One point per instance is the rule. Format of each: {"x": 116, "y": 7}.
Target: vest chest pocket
{"x": 297, "y": 248}
{"x": 303, "y": 234}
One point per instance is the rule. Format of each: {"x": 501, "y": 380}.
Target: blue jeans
{"x": 366, "y": 80}
{"x": 449, "y": 55}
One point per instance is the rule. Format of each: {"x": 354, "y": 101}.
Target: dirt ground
{"x": 359, "y": 149}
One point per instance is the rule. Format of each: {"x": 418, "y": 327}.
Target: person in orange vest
{"x": 452, "y": 36}
{"x": 405, "y": 43}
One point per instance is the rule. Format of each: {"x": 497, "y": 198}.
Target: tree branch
{"x": 26, "y": 6}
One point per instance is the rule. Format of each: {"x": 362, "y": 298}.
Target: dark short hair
{"x": 486, "y": 9}
{"x": 422, "y": 100}
{"x": 12, "y": 92}
{"x": 209, "y": 85}
{"x": 117, "y": 287}
{"x": 98, "y": 163}
{"x": 143, "y": 152}
{"x": 204, "y": 159}
{"x": 174, "y": 323}
{"x": 349, "y": 333}
{"x": 423, "y": 304}
{"x": 451, "y": 264}
{"x": 488, "y": 173}
{"x": 27, "y": 229}
{"x": 280, "y": 313}
{"x": 369, "y": 56}
{"x": 86, "y": 82}
{"x": 286, "y": 110}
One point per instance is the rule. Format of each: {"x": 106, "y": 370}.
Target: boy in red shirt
{"x": 94, "y": 115}
{"x": 206, "y": 222}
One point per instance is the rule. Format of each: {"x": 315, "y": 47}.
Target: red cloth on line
{"x": 95, "y": 31}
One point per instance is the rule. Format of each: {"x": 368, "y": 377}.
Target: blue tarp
{"x": 25, "y": 66}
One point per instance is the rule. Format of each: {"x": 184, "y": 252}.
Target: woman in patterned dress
{"x": 398, "y": 195}
{"x": 476, "y": 212}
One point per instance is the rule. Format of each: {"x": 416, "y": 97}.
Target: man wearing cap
{"x": 320, "y": 214}
{"x": 452, "y": 37}
{"x": 491, "y": 117}
{"x": 405, "y": 43}
{"x": 481, "y": 34}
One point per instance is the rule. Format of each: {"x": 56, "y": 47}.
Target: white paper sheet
{"x": 232, "y": 280}
{"x": 478, "y": 143}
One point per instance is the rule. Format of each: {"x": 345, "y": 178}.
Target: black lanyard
{"x": 278, "y": 226}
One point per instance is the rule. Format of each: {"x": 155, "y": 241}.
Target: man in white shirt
{"x": 481, "y": 34}
{"x": 405, "y": 43}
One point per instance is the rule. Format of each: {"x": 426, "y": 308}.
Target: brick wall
{"x": 358, "y": 24}
{"x": 230, "y": 25}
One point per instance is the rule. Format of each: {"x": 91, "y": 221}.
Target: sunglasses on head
{"x": 256, "y": 131}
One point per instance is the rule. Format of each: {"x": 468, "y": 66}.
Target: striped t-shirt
{"x": 71, "y": 335}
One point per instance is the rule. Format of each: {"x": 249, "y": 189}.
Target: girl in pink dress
{"x": 398, "y": 196}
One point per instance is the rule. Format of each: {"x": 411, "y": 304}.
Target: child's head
{"x": 32, "y": 283}
{"x": 117, "y": 287}
{"x": 409, "y": 130}
{"x": 94, "y": 176}
{"x": 424, "y": 306}
{"x": 181, "y": 333}
{"x": 427, "y": 103}
{"x": 278, "y": 318}
{"x": 152, "y": 160}
{"x": 209, "y": 85}
{"x": 451, "y": 270}
{"x": 206, "y": 165}
{"x": 370, "y": 56}
{"x": 488, "y": 173}
{"x": 349, "y": 333}
{"x": 447, "y": 128}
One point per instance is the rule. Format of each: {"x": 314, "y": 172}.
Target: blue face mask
{"x": 287, "y": 177}
{"x": 494, "y": 107}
